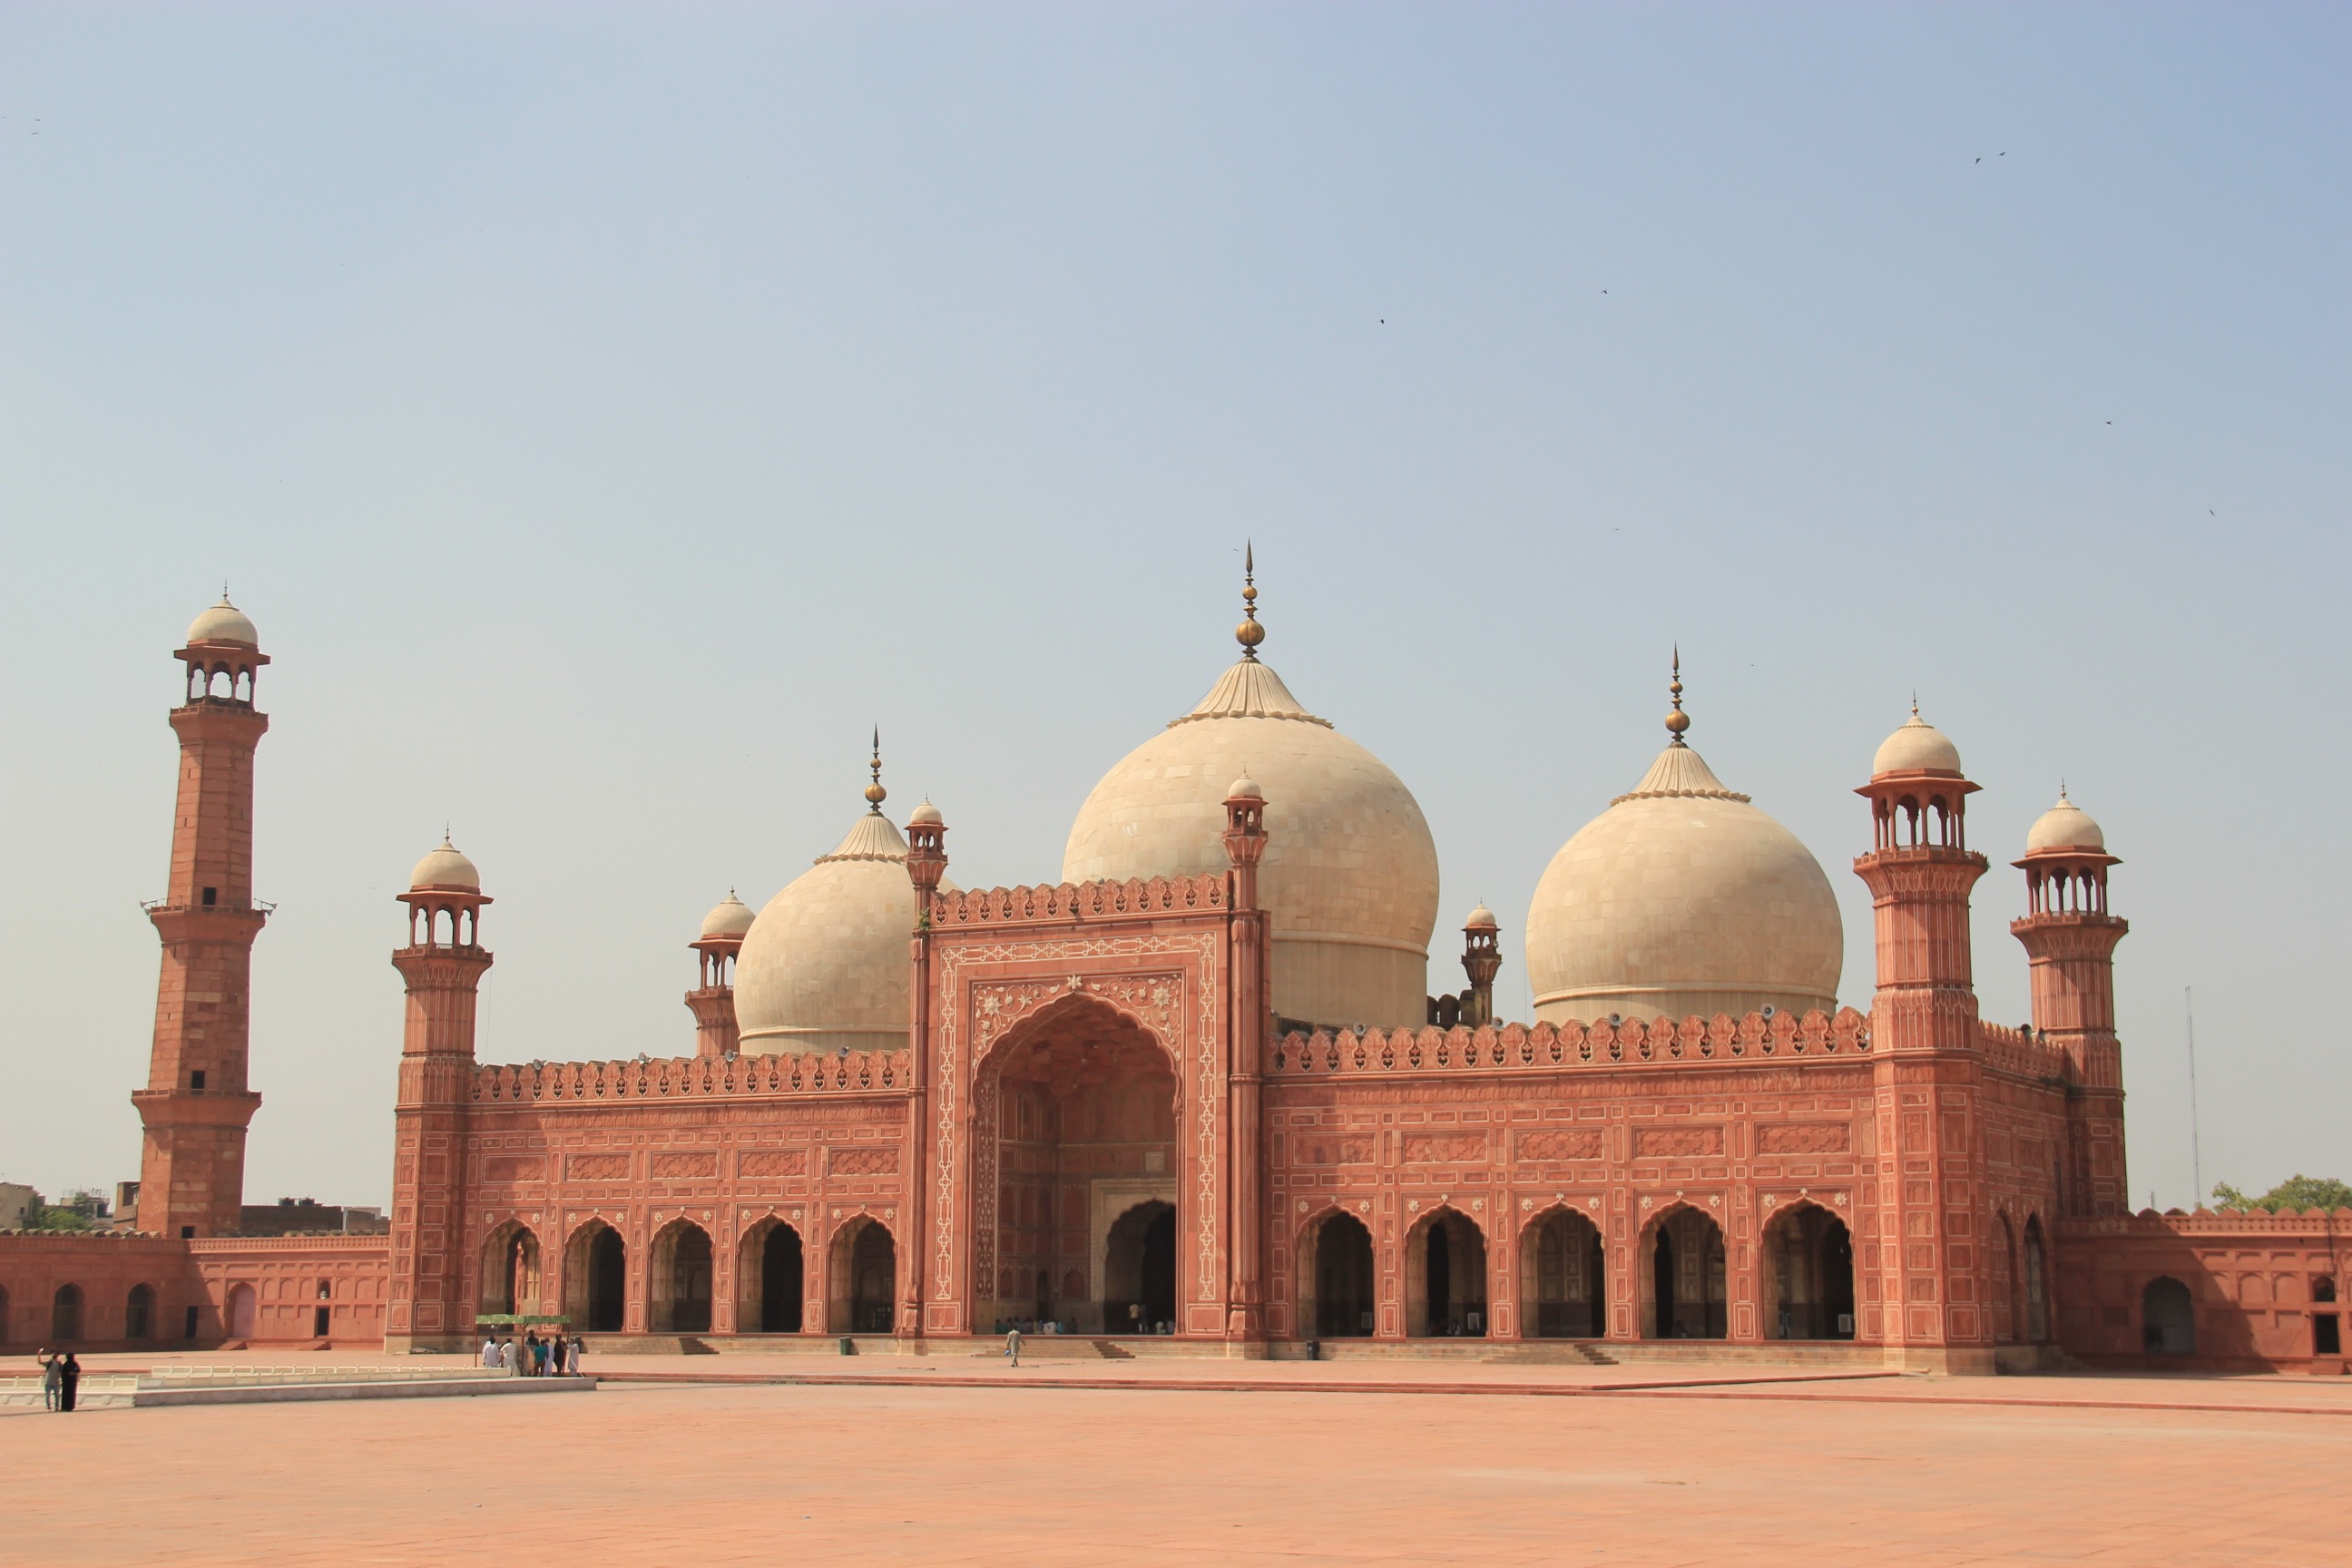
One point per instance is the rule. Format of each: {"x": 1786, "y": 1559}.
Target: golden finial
{"x": 1677, "y": 721}
{"x": 1249, "y": 633}
{"x": 875, "y": 794}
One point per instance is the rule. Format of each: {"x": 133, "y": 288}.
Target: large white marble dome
{"x": 1349, "y": 876}
{"x": 823, "y": 967}
{"x": 1682, "y": 898}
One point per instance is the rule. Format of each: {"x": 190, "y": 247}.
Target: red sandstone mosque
{"x": 1197, "y": 1090}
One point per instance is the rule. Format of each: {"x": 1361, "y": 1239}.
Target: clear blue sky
{"x": 609, "y": 414}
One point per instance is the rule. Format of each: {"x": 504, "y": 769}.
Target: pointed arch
{"x": 2035, "y": 1281}
{"x": 771, "y": 1278}
{"x": 510, "y": 1274}
{"x": 679, "y": 1276}
{"x": 1338, "y": 1282}
{"x": 1682, "y": 1275}
{"x": 596, "y": 1277}
{"x": 1445, "y": 1276}
{"x": 862, "y": 1276}
{"x": 1807, "y": 1274}
{"x": 1563, "y": 1275}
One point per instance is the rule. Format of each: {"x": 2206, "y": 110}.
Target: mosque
{"x": 1196, "y": 1096}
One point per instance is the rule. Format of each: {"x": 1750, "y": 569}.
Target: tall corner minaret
{"x": 712, "y": 1001}
{"x": 196, "y": 1105}
{"x": 2070, "y": 941}
{"x": 1920, "y": 870}
{"x": 443, "y": 964}
{"x": 1920, "y": 1259}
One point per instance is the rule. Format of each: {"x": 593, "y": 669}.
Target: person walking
{"x": 1013, "y": 1344}
{"x": 489, "y": 1350}
{"x": 68, "y": 1381}
{"x": 555, "y": 1355}
{"x": 516, "y": 1352}
{"x": 577, "y": 1347}
{"x": 1135, "y": 1317}
{"x": 53, "y": 1377}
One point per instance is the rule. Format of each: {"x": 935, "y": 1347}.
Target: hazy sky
{"x": 609, "y": 414}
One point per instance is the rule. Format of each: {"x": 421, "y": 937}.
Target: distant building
{"x": 18, "y": 1205}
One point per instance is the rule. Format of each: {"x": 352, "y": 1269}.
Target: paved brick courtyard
{"x": 2010, "y": 1471}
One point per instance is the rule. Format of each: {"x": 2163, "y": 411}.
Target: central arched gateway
{"x": 1080, "y": 1106}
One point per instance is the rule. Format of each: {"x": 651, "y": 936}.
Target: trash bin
{"x": 1315, "y": 1350}
{"x": 848, "y": 1345}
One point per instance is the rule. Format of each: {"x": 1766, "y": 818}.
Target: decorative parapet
{"x": 306, "y": 1241}
{"x": 2017, "y": 1051}
{"x": 1061, "y": 903}
{"x": 688, "y": 1078}
{"x": 2213, "y": 1223}
{"x": 1517, "y": 1047}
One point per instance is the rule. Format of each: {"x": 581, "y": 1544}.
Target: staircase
{"x": 1111, "y": 1350}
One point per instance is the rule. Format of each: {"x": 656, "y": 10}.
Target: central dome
{"x": 1682, "y": 898}
{"x": 1349, "y": 876}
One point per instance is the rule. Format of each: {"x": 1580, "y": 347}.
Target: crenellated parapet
{"x": 689, "y": 1078}
{"x": 2018, "y": 1051}
{"x": 1512, "y": 1048}
{"x": 1062, "y": 902}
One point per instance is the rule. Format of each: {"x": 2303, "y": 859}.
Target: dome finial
{"x": 1249, "y": 633}
{"x": 875, "y": 794}
{"x": 1677, "y": 721}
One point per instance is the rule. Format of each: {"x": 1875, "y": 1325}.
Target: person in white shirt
{"x": 491, "y": 1352}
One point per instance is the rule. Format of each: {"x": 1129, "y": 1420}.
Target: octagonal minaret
{"x": 196, "y": 1105}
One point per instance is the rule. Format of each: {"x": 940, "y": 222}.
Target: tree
{"x": 2297, "y": 1193}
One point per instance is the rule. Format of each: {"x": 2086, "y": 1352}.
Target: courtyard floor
{"x": 690, "y": 1460}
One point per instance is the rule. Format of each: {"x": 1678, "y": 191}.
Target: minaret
{"x": 1920, "y": 1259}
{"x": 443, "y": 964}
{"x": 1249, "y": 1020}
{"x": 196, "y": 1107}
{"x": 927, "y": 866}
{"x": 2070, "y": 940}
{"x": 1481, "y": 957}
{"x": 713, "y": 1002}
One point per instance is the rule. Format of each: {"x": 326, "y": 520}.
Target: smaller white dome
{"x": 446, "y": 868}
{"x": 1244, "y": 788}
{"x": 1917, "y": 748}
{"x": 2065, "y": 826}
{"x": 223, "y": 623}
{"x": 1482, "y": 919}
{"x": 732, "y": 917}
{"x": 925, "y": 815}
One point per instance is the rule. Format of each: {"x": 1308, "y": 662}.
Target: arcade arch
{"x": 1563, "y": 1278}
{"x": 138, "y": 1314}
{"x": 2167, "y": 1317}
{"x": 1081, "y": 1101}
{"x": 1337, "y": 1286}
{"x": 863, "y": 1278}
{"x": 2035, "y": 1282}
{"x": 1808, "y": 1275}
{"x": 64, "y": 1314}
{"x": 1683, "y": 1276}
{"x": 771, "y": 1278}
{"x": 1138, "y": 1294}
{"x": 509, "y": 1270}
{"x": 678, "y": 1282}
{"x": 1445, "y": 1276}
{"x": 596, "y": 1279}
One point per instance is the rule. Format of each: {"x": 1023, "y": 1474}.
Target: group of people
{"x": 60, "y": 1379}
{"x": 557, "y": 1355}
